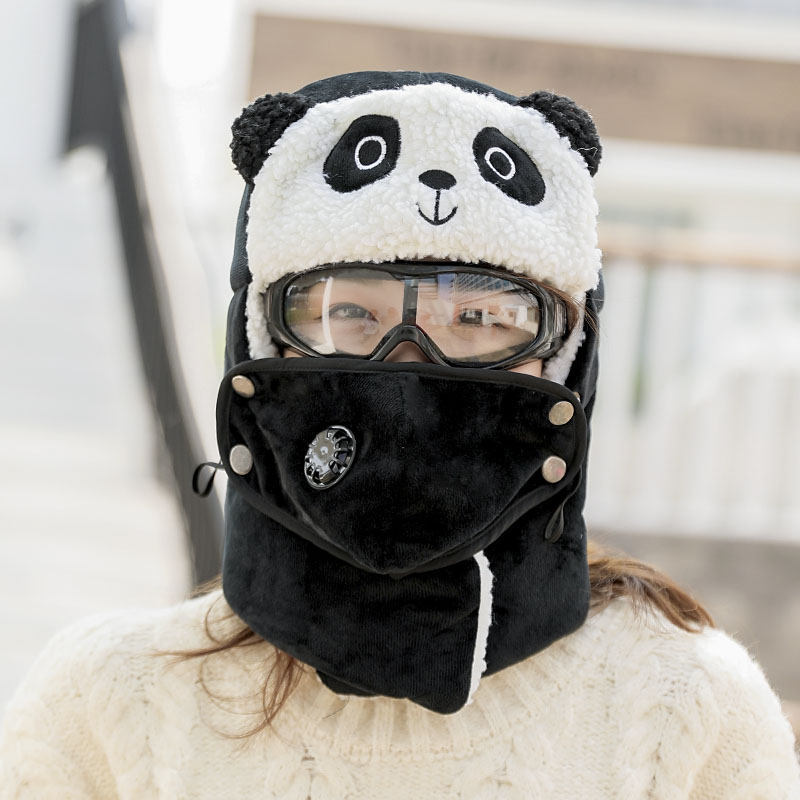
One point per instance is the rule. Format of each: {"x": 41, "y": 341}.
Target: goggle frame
{"x": 547, "y": 342}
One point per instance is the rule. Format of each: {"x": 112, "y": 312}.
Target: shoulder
{"x": 88, "y": 707}
{"x": 698, "y": 699}
{"x": 97, "y": 643}
{"x": 646, "y": 642}
{"x": 113, "y": 663}
{"x": 625, "y": 633}
{"x": 115, "y": 644}
{"x": 708, "y": 662}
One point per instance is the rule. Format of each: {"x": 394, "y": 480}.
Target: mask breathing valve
{"x": 329, "y": 456}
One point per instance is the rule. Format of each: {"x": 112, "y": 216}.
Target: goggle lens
{"x": 347, "y": 311}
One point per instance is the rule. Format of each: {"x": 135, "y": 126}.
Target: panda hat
{"x": 447, "y": 552}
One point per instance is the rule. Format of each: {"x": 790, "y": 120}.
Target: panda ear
{"x": 569, "y": 120}
{"x": 259, "y": 126}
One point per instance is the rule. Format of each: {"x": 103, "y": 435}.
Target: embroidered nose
{"x": 437, "y": 179}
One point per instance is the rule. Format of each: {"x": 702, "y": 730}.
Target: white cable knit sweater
{"x": 620, "y": 709}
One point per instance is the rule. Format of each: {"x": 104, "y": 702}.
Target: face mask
{"x": 402, "y": 494}
{"x": 406, "y": 528}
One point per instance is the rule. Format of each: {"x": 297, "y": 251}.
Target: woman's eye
{"x": 349, "y": 311}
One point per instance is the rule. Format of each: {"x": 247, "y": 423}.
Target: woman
{"x": 409, "y": 608}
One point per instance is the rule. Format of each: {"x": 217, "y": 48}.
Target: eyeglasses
{"x": 458, "y": 315}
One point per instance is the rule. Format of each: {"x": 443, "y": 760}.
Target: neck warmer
{"x": 448, "y": 540}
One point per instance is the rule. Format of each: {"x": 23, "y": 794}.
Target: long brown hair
{"x": 649, "y": 590}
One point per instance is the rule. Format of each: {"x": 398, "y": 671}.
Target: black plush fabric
{"x": 259, "y": 126}
{"x": 372, "y": 581}
{"x": 240, "y": 269}
{"x": 369, "y": 633}
{"x": 569, "y": 120}
{"x": 236, "y": 349}
{"x": 354, "y": 83}
{"x": 446, "y": 459}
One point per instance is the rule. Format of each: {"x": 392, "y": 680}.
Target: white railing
{"x": 697, "y": 425}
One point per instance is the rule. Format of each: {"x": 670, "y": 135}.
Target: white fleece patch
{"x": 557, "y": 367}
{"x": 297, "y": 221}
{"x": 484, "y": 623}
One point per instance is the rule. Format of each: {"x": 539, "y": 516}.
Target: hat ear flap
{"x": 259, "y": 126}
{"x": 570, "y": 120}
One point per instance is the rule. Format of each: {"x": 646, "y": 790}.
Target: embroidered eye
{"x": 367, "y": 152}
{"x": 501, "y": 162}
{"x": 506, "y": 165}
{"x": 372, "y": 150}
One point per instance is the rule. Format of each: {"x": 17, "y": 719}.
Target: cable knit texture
{"x": 622, "y": 709}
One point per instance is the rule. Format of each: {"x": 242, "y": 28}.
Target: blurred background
{"x": 118, "y": 203}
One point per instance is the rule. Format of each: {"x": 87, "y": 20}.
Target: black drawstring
{"x": 555, "y": 527}
{"x": 206, "y": 490}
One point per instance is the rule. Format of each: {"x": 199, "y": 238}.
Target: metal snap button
{"x": 243, "y": 386}
{"x": 554, "y": 469}
{"x": 561, "y": 413}
{"x": 241, "y": 459}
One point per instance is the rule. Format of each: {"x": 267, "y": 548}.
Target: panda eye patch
{"x": 366, "y": 152}
{"x": 506, "y": 165}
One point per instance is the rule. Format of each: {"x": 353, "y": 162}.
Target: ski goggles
{"x": 458, "y": 315}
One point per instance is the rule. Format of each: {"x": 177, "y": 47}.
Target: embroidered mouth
{"x": 437, "y": 220}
